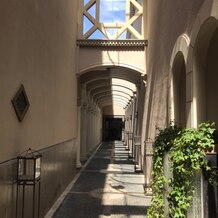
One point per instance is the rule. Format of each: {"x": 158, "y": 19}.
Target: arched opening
{"x": 179, "y": 89}
{"x": 205, "y": 95}
{"x": 108, "y": 98}
{"x": 211, "y": 79}
{"x": 205, "y": 90}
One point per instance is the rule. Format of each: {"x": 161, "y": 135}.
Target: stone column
{"x": 89, "y": 131}
{"x": 92, "y": 136}
{"x": 78, "y": 163}
{"x": 83, "y": 133}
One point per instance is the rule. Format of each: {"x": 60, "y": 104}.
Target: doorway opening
{"x": 112, "y": 128}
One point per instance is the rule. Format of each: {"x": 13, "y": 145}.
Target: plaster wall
{"x": 113, "y": 110}
{"x": 38, "y": 50}
{"x": 97, "y": 56}
{"x": 58, "y": 168}
{"x": 163, "y": 30}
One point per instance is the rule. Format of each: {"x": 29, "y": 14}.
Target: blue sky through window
{"x": 97, "y": 35}
{"x": 112, "y": 11}
{"x": 87, "y": 24}
{"x": 85, "y": 2}
{"x": 92, "y": 11}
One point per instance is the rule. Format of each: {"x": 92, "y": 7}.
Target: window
{"x": 112, "y": 19}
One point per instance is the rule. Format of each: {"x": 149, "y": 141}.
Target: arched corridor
{"x": 85, "y": 88}
{"x": 108, "y": 99}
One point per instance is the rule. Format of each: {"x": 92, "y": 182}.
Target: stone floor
{"x": 107, "y": 187}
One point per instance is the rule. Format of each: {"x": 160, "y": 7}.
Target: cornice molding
{"x": 111, "y": 43}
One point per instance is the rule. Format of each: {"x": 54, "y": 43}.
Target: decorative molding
{"x": 111, "y": 43}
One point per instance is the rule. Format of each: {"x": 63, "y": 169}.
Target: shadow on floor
{"x": 107, "y": 187}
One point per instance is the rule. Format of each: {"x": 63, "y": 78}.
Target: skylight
{"x": 111, "y": 19}
{"x": 112, "y": 11}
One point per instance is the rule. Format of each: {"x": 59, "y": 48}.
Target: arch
{"x": 112, "y": 97}
{"x": 103, "y": 82}
{"x": 177, "y": 81}
{"x": 111, "y": 92}
{"x": 205, "y": 68}
{"x": 178, "y": 90}
{"x": 111, "y": 87}
{"x": 103, "y": 73}
{"x": 205, "y": 89}
{"x": 110, "y": 65}
{"x": 109, "y": 101}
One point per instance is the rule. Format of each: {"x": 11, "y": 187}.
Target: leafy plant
{"x": 187, "y": 148}
{"x": 188, "y": 157}
{"x": 163, "y": 143}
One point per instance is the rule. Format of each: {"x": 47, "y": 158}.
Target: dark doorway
{"x": 112, "y": 129}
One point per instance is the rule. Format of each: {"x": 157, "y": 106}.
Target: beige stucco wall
{"x": 174, "y": 26}
{"x": 170, "y": 33}
{"x": 113, "y": 110}
{"x": 37, "y": 49}
{"x": 90, "y": 57}
{"x": 163, "y": 30}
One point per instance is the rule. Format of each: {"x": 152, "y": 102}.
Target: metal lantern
{"x": 28, "y": 178}
{"x": 29, "y": 167}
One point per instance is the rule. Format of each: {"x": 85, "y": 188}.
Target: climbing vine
{"x": 187, "y": 148}
{"x": 188, "y": 157}
{"x": 163, "y": 143}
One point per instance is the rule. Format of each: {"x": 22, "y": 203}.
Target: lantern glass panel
{"x": 20, "y": 168}
{"x": 26, "y": 169}
{"x": 30, "y": 165}
{"x": 38, "y": 167}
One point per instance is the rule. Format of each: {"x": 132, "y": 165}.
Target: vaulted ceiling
{"x": 109, "y": 85}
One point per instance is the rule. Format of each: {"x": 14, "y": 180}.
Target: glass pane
{"x": 133, "y": 10}
{"x": 85, "y": 2}
{"x": 140, "y": 2}
{"x": 20, "y": 168}
{"x": 97, "y": 35}
{"x": 129, "y": 35}
{"x": 137, "y": 24}
{"x": 92, "y": 11}
{"x": 87, "y": 24}
{"x": 112, "y": 31}
{"x": 113, "y": 11}
{"x": 38, "y": 167}
{"x": 123, "y": 35}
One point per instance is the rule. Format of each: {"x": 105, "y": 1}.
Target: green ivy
{"x": 163, "y": 143}
{"x": 187, "y": 149}
{"x": 188, "y": 157}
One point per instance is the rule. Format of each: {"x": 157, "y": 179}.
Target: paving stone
{"x": 107, "y": 187}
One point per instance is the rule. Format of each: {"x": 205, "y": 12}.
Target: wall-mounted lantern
{"x": 28, "y": 174}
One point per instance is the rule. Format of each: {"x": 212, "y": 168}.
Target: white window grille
{"x": 112, "y": 19}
